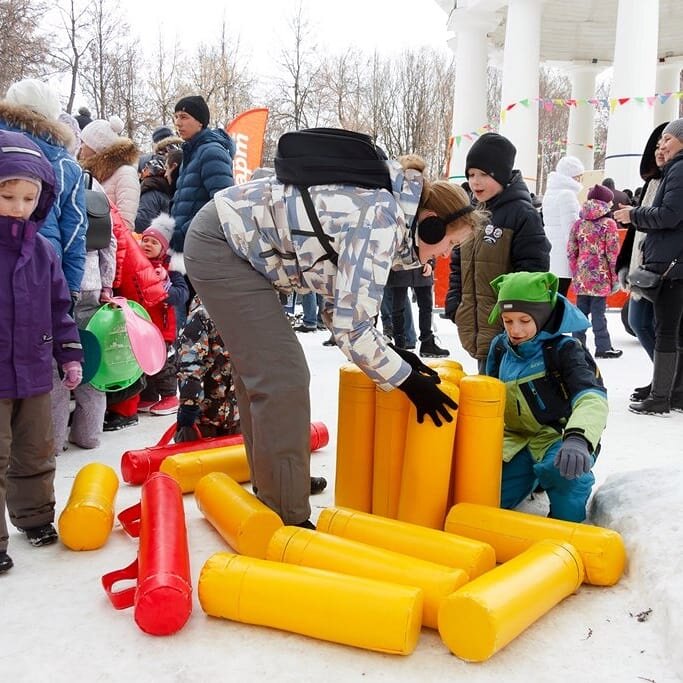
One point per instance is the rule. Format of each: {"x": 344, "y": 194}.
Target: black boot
{"x": 659, "y": 402}
{"x": 5, "y": 562}
{"x": 641, "y": 393}
{"x": 677, "y": 391}
{"x": 429, "y": 349}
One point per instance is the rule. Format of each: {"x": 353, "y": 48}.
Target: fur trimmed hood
{"x": 26, "y": 120}
{"x": 104, "y": 164}
{"x": 161, "y": 146}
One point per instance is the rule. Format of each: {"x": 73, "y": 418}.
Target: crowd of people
{"x": 185, "y": 239}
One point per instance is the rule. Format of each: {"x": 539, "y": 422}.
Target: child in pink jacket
{"x": 592, "y": 251}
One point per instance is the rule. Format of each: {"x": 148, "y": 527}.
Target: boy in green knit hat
{"x": 556, "y": 404}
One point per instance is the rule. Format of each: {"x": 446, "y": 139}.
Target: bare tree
{"x": 23, "y": 49}
{"x": 75, "y": 42}
{"x": 163, "y": 79}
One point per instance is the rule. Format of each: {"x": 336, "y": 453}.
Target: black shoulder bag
{"x": 98, "y": 234}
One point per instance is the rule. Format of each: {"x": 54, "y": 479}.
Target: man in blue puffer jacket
{"x": 32, "y": 107}
{"x": 207, "y": 164}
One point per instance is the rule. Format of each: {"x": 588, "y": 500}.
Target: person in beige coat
{"x": 113, "y": 161}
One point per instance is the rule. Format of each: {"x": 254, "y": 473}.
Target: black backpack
{"x": 98, "y": 234}
{"x": 326, "y": 156}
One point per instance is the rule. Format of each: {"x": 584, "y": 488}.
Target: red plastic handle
{"x": 125, "y": 598}
{"x": 130, "y": 520}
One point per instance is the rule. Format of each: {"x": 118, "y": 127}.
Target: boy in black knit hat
{"x": 513, "y": 240}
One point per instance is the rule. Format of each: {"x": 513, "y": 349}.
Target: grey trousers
{"x": 27, "y": 464}
{"x": 270, "y": 371}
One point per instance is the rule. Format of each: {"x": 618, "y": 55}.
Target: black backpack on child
{"x": 326, "y": 156}
{"x": 98, "y": 234}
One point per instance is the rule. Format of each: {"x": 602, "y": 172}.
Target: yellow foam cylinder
{"x": 308, "y": 548}
{"x": 391, "y": 422}
{"x": 238, "y": 516}
{"x": 366, "y": 613}
{"x": 484, "y": 616}
{"x": 448, "y": 370}
{"x": 88, "y": 518}
{"x": 355, "y": 439}
{"x": 426, "y": 476}
{"x": 188, "y": 468}
{"x": 511, "y": 533}
{"x": 473, "y": 557}
{"x": 478, "y": 449}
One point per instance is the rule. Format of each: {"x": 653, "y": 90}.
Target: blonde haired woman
{"x": 256, "y": 237}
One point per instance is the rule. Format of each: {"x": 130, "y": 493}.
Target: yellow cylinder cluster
{"x": 479, "y": 619}
{"x": 510, "y": 533}
{"x": 473, "y": 557}
{"x": 88, "y": 517}
{"x": 239, "y": 517}
{"x": 308, "y": 548}
{"x": 478, "y": 448}
{"x": 355, "y": 439}
{"x": 188, "y": 468}
{"x": 365, "y": 613}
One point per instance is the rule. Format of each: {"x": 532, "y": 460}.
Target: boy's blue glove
{"x": 414, "y": 362}
{"x": 573, "y": 459}
{"x": 428, "y": 398}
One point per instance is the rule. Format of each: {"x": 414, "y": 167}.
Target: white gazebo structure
{"x": 640, "y": 40}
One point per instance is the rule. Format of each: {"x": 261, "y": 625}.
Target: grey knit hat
{"x": 675, "y": 128}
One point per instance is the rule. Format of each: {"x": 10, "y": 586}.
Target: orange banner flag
{"x": 247, "y": 130}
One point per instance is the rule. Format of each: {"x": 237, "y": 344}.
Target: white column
{"x": 470, "y": 92}
{"x": 635, "y": 59}
{"x": 668, "y": 80}
{"x": 580, "y": 132}
{"x": 520, "y": 82}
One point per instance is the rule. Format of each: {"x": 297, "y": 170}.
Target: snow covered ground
{"x": 58, "y": 625}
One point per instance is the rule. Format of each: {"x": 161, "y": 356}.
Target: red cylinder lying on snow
{"x": 163, "y": 594}
{"x": 139, "y": 464}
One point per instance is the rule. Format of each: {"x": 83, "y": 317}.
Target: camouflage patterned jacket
{"x": 265, "y": 222}
{"x": 205, "y": 372}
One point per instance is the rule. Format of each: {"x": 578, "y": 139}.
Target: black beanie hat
{"x": 493, "y": 154}
{"x": 158, "y": 134}
{"x": 196, "y": 107}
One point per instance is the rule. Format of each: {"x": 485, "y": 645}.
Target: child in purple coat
{"x": 34, "y": 326}
{"x": 592, "y": 251}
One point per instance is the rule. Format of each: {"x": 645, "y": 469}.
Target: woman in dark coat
{"x": 663, "y": 224}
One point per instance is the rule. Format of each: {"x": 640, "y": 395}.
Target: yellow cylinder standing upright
{"x": 88, "y": 518}
{"x": 485, "y": 615}
{"x": 323, "y": 551}
{"x": 426, "y": 476}
{"x": 238, "y": 516}
{"x": 391, "y": 422}
{"x": 188, "y": 468}
{"x": 510, "y": 533}
{"x": 478, "y": 450}
{"x": 375, "y": 615}
{"x": 355, "y": 439}
{"x": 473, "y": 557}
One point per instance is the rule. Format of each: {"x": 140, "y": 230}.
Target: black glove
{"x": 573, "y": 459}
{"x": 414, "y": 362}
{"x": 187, "y": 415}
{"x": 428, "y": 398}
{"x": 185, "y": 434}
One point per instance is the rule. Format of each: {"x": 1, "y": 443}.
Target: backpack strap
{"x": 551, "y": 358}
{"x": 317, "y": 227}
{"x": 498, "y": 352}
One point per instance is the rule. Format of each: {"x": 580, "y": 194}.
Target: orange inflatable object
{"x": 432, "y": 545}
{"x": 137, "y": 465}
{"x": 478, "y": 448}
{"x": 511, "y": 533}
{"x": 355, "y": 439}
{"x": 479, "y": 619}
{"x": 366, "y": 613}
{"x": 239, "y": 517}
{"x": 163, "y": 594}
{"x": 426, "y": 476}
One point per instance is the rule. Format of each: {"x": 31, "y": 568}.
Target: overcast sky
{"x": 262, "y": 25}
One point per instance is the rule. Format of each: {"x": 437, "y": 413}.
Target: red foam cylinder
{"x": 163, "y": 595}
{"x": 139, "y": 464}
